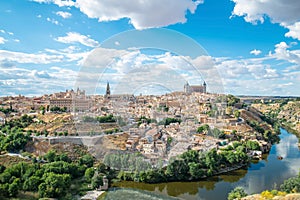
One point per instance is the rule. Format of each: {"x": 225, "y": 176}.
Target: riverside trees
{"x": 191, "y": 165}
{"x": 12, "y": 135}
{"x": 51, "y": 180}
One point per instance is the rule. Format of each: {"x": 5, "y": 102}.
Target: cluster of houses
{"x": 192, "y": 107}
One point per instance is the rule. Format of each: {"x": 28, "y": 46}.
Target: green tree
{"x": 5, "y": 176}
{"x": 50, "y": 156}
{"x": 291, "y": 185}
{"x": 42, "y": 109}
{"x": 86, "y": 160}
{"x": 89, "y": 173}
{"x": 14, "y": 187}
{"x": 237, "y": 114}
{"x": 97, "y": 181}
{"x": 252, "y": 145}
{"x": 31, "y": 184}
{"x": 55, "y": 185}
{"x": 4, "y": 190}
{"x": 196, "y": 171}
{"x": 177, "y": 170}
{"x": 237, "y": 193}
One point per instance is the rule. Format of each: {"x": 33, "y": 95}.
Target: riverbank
{"x": 259, "y": 176}
{"x": 285, "y": 197}
{"x": 291, "y": 130}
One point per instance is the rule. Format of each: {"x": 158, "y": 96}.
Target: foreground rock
{"x": 286, "y": 197}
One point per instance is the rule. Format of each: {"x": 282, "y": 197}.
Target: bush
{"x": 267, "y": 194}
{"x": 237, "y": 193}
{"x": 291, "y": 185}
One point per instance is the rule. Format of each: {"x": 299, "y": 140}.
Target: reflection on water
{"x": 130, "y": 194}
{"x": 260, "y": 176}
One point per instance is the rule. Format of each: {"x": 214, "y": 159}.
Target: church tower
{"x": 204, "y": 87}
{"x": 187, "y": 88}
{"x": 107, "y": 93}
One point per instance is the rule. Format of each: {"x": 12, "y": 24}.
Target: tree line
{"x": 13, "y": 138}
{"x": 51, "y": 180}
{"x": 191, "y": 165}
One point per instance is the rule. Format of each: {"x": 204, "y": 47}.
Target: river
{"x": 265, "y": 174}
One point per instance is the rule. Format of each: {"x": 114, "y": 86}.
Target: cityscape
{"x": 185, "y": 99}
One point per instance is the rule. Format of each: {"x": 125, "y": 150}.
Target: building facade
{"x": 188, "y": 89}
{"x": 71, "y": 100}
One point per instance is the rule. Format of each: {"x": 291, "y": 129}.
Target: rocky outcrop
{"x": 286, "y": 197}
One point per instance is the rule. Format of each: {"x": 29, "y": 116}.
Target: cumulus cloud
{"x": 2, "y": 40}
{"x": 60, "y": 3}
{"x": 141, "y": 14}
{"x": 18, "y": 80}
{"x": 70, "y": 53}
{"x": 255, "y": 52}
{"x": 282, "y": 52}
{"x": 20, "y": 57}
{"x": 64, "y": 15}
{"x": 39, "y": 74}
{"x": 73, "y": 37}
{"x": 294, "y": 31}
{"x": 129, "y": 70}
{"x": 284, "y": 12}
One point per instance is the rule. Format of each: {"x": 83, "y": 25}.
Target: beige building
{"x": 73, "y": 101}
{"x": 188, "y": 89}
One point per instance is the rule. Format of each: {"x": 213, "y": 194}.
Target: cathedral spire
{"x": 107, "y": 89}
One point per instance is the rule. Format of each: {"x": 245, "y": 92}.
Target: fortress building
{"x": 71, "y": 100}
{"x": 188, "y": 89}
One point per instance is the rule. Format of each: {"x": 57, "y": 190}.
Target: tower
{"x": 204, "y": 87}
{"x": 107, "y": 93}
{"x": 187, "y": 88}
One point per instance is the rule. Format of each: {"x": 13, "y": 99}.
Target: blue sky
{"x": 252, "y": 47}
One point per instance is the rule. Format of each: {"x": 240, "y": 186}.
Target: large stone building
{"x": 188, "y": 89}
{"x": 71, "y": 100}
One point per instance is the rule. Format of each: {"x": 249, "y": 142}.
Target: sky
{"x": 239, "y": 47}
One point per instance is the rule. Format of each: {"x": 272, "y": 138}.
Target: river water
{"x": 268, "y": 173}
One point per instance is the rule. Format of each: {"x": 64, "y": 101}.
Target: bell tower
{"x": 107, "y": 93}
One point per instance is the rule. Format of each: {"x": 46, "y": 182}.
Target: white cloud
{"x": 18, "y": 80}
{"x": 64, "y": 15}
{"x": 132, "y": 69}
{"x": 282, "y": 52}
{"x": 140, "y": 13}
{"x": 294, "y": 31}
{"x": 255, "y": 52}
{"x": 39, "y": 74}
{"x": 20, "y": 57}
{"x": 70, "y": 53}
{"x": 2, "y": 40}
{"x": 60, "y": 3}
{"x": 53, "y": 21}
{"x": 284, "y": 12}
{"x": 73, "y": 37}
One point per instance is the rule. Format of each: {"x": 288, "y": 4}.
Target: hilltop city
{"x": 159, "y": 127}
{"x": 91, "y": 142}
